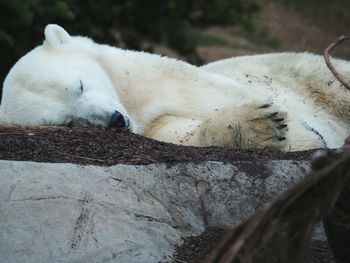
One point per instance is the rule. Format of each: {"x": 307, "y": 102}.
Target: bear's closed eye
{"x": 81, "y": 86}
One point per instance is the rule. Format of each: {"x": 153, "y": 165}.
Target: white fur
{"x": 170, "y": 100}
{"x": 285, "y": 77}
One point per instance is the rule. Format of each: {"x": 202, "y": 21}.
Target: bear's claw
{"x": 273, "y": 114}
{"x": 264, "y": 106}
{"x": 265, "y": 127}
{"x": 256, "y": 126}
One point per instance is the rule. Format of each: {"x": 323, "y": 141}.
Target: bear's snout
{"x": 118, "y": 120}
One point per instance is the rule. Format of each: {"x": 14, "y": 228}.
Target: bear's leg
{"x": 177, "y": 130}
{"x": 249, "y": 126}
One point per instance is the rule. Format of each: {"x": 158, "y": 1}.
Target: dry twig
{"x": 20, "y": 129}
{"x": 336, "y": 74}
{"x": 88, "y": 158}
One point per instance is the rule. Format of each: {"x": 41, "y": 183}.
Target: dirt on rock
{"x": 107, "y": 146}
{"x": 196, "y": 249}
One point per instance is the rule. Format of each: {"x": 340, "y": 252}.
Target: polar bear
{"x": 287, "y": 101}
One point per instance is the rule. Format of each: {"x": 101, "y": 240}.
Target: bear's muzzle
{"x": 118, "y": 120}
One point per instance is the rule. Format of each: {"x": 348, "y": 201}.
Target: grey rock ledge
{"x": 69, "y": 213}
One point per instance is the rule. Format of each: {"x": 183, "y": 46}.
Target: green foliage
{"x": 119, "y": 22}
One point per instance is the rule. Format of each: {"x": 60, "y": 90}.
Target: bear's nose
{"x": 119, "y": 121}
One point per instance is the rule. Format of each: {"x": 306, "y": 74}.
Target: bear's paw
{"x": 249, "y": 126}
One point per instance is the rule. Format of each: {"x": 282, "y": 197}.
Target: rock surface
{"x": 70, "y": 213}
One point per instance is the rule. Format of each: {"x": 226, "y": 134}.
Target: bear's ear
{"x": 55, "y": 36}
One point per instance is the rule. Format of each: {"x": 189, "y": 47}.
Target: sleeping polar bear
{"x": 287, "y": 101}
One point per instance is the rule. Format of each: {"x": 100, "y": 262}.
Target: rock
{"x": 70, "y": 213}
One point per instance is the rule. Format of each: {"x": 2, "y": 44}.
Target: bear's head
{"x": 59, "y": 82}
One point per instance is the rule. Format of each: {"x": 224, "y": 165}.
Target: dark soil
{"x": 196, "y": 249}
{"x": 105, "y": 146}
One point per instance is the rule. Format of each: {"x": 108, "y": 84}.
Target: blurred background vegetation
{"x": 198, "y": 31}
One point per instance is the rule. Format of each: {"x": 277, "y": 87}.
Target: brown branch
{"x": 336, "y": 74}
